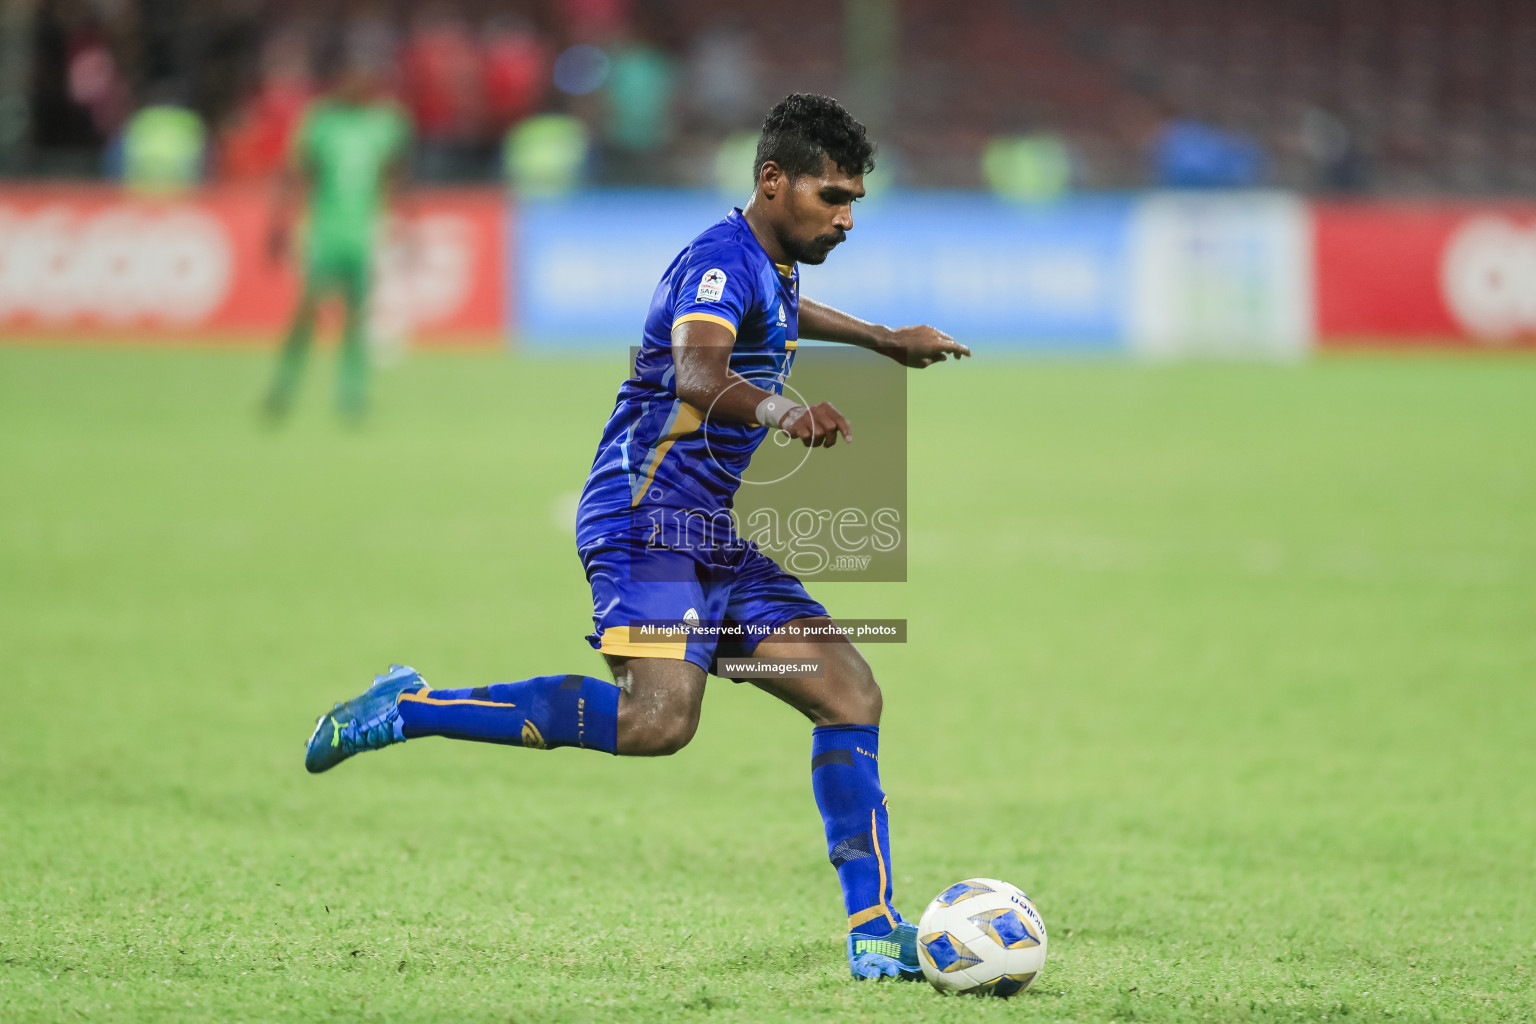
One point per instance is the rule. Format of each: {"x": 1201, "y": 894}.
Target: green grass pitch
{"x": 1232, "y": 668}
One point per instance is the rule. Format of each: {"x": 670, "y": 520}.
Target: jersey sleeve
{"x": 714, "y": 285}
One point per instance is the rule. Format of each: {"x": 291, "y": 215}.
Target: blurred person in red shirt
{"x": 444, "y": 79}
{"x": 594, "y": 21}
{"x": 256, "y": 142}
{"x": 515, "y": 65}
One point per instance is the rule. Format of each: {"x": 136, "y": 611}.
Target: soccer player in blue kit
{"x": 708, "y": 386}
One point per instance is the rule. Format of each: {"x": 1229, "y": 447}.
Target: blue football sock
{"x": 542, "y": 712}
{"x": 845, "y": 776}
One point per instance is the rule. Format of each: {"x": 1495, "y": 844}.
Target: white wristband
{"x": 773, "y": 410}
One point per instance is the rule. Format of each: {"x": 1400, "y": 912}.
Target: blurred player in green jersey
{"x": 349, "y": 156}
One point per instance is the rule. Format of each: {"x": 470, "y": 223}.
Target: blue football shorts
{"x": 691, "y": 603}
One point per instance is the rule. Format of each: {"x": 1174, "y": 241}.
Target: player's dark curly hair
{"x": 803, "y": 126}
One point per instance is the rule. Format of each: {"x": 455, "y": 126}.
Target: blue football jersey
{"x": 656, "y": 449}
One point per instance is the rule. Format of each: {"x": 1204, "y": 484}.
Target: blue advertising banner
{"x": 583, "y": 268}
{"x": 1000, "y": 274}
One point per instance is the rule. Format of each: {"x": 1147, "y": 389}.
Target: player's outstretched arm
{"x": 701, "y": 351}
{"x": 917, "y": 346}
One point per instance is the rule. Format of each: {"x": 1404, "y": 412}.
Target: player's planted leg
{"x": 352, "y": 373}
{"x": 290, "y": 363}
{"x": 845, "y": 778}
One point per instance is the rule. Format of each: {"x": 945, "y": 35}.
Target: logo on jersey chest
{"x": 783, "y": 320}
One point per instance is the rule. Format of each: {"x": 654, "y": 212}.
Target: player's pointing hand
{"x": 817, "y": 425}
{"x": 922, "y": 346}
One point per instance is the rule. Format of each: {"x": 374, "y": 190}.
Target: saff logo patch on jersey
{"x": 712, "y": 286}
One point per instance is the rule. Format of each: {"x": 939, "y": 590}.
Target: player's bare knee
{"x": 865, "y": 701}
{"x": 659, "y": 709}
{"x": 674, "y": 736}
{"x": 873, "y": 702}
{"x": 667, "y": 731}
{"x": 657, "y": 736}
{"x": 852, "y": 697}
{"x": 863, "y": 692}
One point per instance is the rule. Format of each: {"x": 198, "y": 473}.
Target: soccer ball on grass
{"x": 981, "y": 936}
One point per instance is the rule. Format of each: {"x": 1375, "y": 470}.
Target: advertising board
{"x": 92, "y": 261}
{"x": 1432, "y": 273}
{"x": 998, "y": 274}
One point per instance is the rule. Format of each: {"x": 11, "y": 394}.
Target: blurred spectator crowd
{"x": 1031, "y": 97}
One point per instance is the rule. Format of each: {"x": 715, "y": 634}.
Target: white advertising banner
{"x": 1224, "y": 275}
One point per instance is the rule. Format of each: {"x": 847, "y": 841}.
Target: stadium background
{"x": 1226, "y": 660}
{"x": 1232, "y": 178}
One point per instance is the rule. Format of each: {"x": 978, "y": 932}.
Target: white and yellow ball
{"x": 981, "y": 936}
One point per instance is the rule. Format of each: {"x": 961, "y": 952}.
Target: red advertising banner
{"x": 94, "y": 262}
{"x": 1402, "y": 273}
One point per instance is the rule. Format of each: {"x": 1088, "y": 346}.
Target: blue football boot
{"x": 885, "y": 956}
{"x": 367, "y": 722}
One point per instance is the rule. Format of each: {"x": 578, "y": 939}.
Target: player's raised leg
{"x": 652, "y": 711}
{"x": 659, "y": 704}
{"x": 844, "y": 707}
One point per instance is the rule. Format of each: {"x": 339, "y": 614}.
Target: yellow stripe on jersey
{"x": 709, "y": 318}
{"x": 685, "y": 420}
